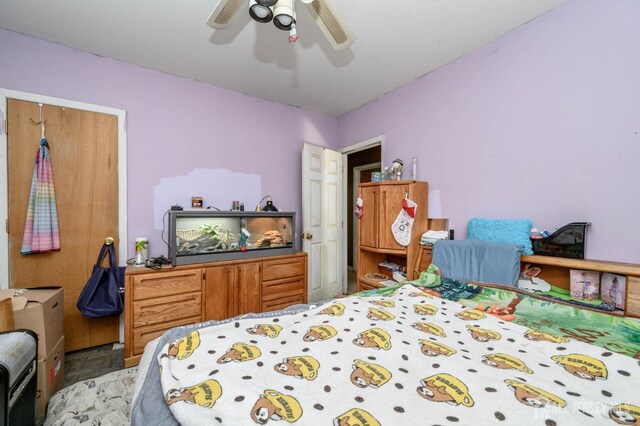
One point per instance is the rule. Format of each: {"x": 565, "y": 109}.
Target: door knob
{"x": 307, "y": 236}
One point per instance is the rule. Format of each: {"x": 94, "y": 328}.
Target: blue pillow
{"x": 502, "y": 231}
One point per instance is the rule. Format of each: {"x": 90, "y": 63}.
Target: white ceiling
{"x": 396, "y": 42}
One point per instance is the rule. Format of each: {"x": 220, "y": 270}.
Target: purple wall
{"x": 543, "y": 122}
{"x": 174, "y": 125}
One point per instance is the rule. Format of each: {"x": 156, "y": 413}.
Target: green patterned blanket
{"x": 614, "y": 333}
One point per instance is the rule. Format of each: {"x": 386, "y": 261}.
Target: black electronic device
{"x": 176, "y": 207}
{"x": 18, "y": 378}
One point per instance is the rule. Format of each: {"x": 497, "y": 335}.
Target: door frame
{"x": 356, "y": 182}
{"x": 122, "y": 168}
{"x": 351, "y": 149}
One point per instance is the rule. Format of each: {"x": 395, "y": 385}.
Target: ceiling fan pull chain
{"x": 293, "y": 35}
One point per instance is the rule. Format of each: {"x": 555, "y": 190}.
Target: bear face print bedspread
{"x": 408, "y": 358}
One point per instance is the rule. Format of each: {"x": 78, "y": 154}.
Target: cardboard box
{"x": 50, "y": 378}
{"x": 40, "y": 310}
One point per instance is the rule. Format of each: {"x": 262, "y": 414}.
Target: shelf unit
{"x": 382, "y": 201}
{"x": 555, "y": 270}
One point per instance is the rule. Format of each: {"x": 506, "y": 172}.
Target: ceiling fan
{"x": 283, "y": 15}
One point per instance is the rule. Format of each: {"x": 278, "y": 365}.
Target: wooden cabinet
{"x": 382, "y": 202}
{"x": 232, "y": 290}
{"x": 157, "y": 300}
{"x": 382, "y": 205}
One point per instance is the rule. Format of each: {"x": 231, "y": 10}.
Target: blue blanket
{"x": 476, "y": 260}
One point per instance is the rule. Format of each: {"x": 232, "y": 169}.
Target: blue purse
{"x": 103, "y": 294}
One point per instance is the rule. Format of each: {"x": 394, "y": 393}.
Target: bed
{"x": 398, "y": 356}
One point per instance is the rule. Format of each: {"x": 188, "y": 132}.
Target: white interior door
{"x": 322, "y": 220}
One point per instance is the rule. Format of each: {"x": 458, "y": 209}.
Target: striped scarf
{"x": 41, "y": 228}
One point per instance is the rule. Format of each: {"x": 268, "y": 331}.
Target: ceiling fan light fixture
{"x": 259, "y": 12}
{"x": 284, "y": 15}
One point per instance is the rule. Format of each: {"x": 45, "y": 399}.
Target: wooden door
{"x": 84, "y": 154}
{"x": 390, "y": 204}
{"x": 368, "y": 223}
{"x": 218, "y": 296}
{"x": 247, "y": 288}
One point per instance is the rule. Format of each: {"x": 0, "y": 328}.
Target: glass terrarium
{"x": 200, "y": 236}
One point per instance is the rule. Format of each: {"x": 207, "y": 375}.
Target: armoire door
{"x": 368, "y": 223}
{"x": 84, "y": 154}
{"x": 390, "y": 199}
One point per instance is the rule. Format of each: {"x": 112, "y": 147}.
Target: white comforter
{"x": 405, "y": 359}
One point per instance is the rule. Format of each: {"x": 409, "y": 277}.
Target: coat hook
{"x": 41, "y": 123}
{"x": 108, "y": 241}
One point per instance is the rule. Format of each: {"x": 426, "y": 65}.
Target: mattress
{"x": 403, "y": 357}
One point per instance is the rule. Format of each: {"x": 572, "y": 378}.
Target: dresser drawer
{"x": 283, "y": 268}
{"x": 277, "y": 289}
{"x": 282, "y": 302}
{"x": 161, "y": 283}
{"x": 143, "y": 335}
{"x": 166, "y": 309}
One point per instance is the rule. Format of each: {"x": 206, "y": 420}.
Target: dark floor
{"x": 352, "y": 282}
{"x": 92, "y": 362}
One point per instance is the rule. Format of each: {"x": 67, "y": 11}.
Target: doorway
{"x": 88, "y": 153}
{"x": 359, "y": 162}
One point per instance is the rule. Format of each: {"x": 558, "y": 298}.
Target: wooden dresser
{"x": 376, "y": 244}
{"x": 157, "y": 300}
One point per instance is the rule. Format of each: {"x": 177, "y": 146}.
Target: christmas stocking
{"x": 401, "y": 228}
{"x": 359, "y": 204}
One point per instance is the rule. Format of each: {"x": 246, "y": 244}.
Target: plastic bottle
{"x": 414, "y": 168}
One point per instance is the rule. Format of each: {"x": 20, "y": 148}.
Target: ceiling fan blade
{"x": 223, "y": 14}
{"x": 330, "y": 23}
